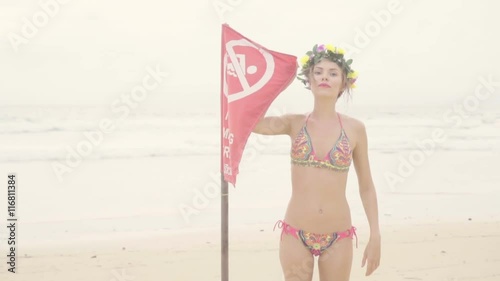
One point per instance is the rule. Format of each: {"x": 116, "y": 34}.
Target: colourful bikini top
{"x": 338, "y": 158}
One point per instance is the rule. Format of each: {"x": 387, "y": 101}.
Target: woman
{"x": 324, "y": 143}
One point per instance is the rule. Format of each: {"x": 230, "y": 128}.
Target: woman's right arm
{"x": 273, "y": 125}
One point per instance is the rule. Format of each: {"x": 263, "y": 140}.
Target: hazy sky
{"x": 91, "y": 52}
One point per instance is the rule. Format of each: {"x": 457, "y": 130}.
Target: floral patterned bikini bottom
{"x": 316, "y": 243}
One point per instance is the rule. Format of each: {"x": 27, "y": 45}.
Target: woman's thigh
{"x": 296, "y": 260}
{"x": 335, "y": 263}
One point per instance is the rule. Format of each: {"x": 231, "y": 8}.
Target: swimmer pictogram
{"x": 251, "y": 66}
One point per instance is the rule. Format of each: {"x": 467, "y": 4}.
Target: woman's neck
{"x": 324, "y": 109}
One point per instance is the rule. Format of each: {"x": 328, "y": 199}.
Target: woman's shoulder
{"x": 352, "y": 122}
{"x": 296, "y": 118}
{"x": 355, "y": 128}
{"x": 296, "y": 121}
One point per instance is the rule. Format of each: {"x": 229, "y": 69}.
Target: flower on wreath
{"x": 332, "y": 53}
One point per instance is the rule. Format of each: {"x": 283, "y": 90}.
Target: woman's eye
{"x": 317, "y": 73}
{"x": 333, "y": 74}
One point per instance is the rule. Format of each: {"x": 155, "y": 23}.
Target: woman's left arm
{"x": 368, "y": 197}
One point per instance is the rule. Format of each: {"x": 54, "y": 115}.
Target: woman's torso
{"x": 321, "y": 156}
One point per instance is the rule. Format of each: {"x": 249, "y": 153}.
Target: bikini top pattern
{"x": 339, "y": 158}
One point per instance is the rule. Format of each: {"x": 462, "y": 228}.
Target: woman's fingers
{"x": 369, "y": 268}
{"x": 363, "y": 262}
{"x": 372, "y": 266}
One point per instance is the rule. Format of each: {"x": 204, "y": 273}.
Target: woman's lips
{"x": 324, "y": 85}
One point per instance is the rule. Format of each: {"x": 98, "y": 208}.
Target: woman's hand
{"x": 372, "y": 255}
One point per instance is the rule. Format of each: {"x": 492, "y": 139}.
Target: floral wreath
{"x": 330, "y": 52}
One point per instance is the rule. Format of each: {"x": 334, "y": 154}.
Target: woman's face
{"x": 326, "y": 79}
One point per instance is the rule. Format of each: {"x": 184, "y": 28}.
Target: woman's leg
{"x": 335, "y": 263}
{"x": 296, "y": 260}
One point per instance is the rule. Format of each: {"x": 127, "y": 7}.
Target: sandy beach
{"x": 445, "y": 251}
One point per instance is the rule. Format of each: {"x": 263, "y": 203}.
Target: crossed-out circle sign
{"x": 247, "y": 68}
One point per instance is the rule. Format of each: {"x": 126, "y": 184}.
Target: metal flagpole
{"x": 224, "y": 231}
{"x": 224, "y": 190}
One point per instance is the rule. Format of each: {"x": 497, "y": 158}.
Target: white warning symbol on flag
{"x": 235, "y": 65}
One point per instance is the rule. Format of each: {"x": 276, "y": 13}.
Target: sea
{"x": 92, "y": 171}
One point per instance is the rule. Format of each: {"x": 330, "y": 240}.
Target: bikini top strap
{"x": 307, "y": 118}
{"x": 340, "y": 120}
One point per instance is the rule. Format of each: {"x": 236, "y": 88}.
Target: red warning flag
{"x": 251, "y": 78}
